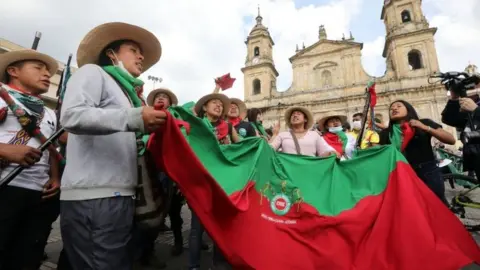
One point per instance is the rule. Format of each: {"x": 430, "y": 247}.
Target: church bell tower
{"x": 259, "y": 72}
{"x": 409, "y": 44}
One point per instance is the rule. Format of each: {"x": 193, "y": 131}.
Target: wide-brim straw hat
{"x": 305, "y": 111}
{"x": 101, "y": 36}
{"x": 166, "y": 91}
{"x": 321, "y": 123}
{"x": 202, "y": 101}
{"x": 8, "y": 58}
{"x": 242, "y": 107}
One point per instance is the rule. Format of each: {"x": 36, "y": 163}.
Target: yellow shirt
{"x": 370, "y": 137}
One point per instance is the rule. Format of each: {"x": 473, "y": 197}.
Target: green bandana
{"x": 33, "y": 103}
{"x": 129, "y": 83}
{"x": 343, "y": 137}
{"x": 396, "y": 136}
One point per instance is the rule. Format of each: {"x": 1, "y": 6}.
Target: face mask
{"x": 120, "y": 64}
{"x": 335, "y": 129}
{"x": 356, "y": 125}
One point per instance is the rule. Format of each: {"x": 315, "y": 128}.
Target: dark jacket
{"x": 452, "y": 116}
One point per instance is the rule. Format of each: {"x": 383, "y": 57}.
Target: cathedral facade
{"x": 328, "y": 75}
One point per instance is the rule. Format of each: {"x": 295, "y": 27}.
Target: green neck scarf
{"x": 128, "y": 83}
{"x": 396, "y": 136}
{"x": 259, "y": 127}
{"x": 343, "y": 137}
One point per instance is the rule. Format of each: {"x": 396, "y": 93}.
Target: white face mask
{"x": 335, "y": 129}
{"x": 357, "y": 125}
{"x": 120, "y": 64}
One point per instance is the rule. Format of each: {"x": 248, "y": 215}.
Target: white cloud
{"x": 372, "y": 59}
{"x": 200, "y": 39}
{"x": 458, "y": 35}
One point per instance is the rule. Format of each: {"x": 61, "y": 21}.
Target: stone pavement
{"x": 165, "y": 242}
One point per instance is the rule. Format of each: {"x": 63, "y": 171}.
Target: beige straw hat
{"x": 323, "y": 121}
{"x": 166, "y": 91}
{"x": 215, "y": 95}
{"x": 242, "y": 108}
{"x": 304, "y": 110}
{"x": 8, "y": 58}
{"x": 101, "y": 36}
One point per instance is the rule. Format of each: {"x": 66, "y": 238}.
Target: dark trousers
{"x": 431, "y": 175}
{"x": 176, "y": 221}
{"x": 97, "y": 233}
{"x": 19, "y": 218}
{"x": 195, "y": 246}
{"x": 47, "y": 213}
{"x": 144, "y": 242}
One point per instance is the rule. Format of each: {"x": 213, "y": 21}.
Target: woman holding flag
{"x": 412, "y": 136}
{"x": 338, "y": 142}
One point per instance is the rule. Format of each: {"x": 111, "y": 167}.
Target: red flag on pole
{"x": 373, "y": 95}
{"x": 225, "y": 82}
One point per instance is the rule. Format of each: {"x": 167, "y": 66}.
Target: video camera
{"x": 458, "y": 82}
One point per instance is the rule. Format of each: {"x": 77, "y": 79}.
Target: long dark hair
{"x": 252, "y": 114}
{"x": 411, "y": 115}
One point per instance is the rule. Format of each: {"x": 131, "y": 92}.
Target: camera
{"x": 458, "y": 82}
{"x": 472, "y": 137}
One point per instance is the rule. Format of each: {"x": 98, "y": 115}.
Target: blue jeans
{"x": 195, "y": 245}
{"x": 195, "y": 242}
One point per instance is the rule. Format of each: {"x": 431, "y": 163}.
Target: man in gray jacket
{"x": 104, "y": 114}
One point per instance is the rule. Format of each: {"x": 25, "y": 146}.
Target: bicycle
{"x": 464, "y": 195}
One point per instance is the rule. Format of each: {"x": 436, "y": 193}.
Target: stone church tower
{"x": 328, "y": 75}
{"x": 260, "y": 74}
{"x": 409, "y": 46}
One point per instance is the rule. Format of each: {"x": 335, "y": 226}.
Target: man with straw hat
{"x": 24, "y": 75}
{"x": 338, "y": 142}
{"x": 299, "y": 139}
{"x": 236, "y": 113}
{"x": 104, "y": 113}
{"x": 162, "y": 97}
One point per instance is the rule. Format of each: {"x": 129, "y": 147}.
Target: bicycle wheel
{"x": 464, "y": 197}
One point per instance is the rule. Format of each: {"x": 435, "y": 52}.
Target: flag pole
{"x": 38, "y": 36}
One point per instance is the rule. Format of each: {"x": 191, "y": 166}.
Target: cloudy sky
{"x": 205, "y": 39}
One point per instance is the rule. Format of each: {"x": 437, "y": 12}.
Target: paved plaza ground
{"x": 165, "y": 242}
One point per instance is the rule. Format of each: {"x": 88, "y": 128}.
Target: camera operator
{"x": 456, "y": 114}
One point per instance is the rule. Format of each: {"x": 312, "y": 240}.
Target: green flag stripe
{"x": 327, "y": 184}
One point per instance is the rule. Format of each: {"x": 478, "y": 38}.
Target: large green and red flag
{"x": 267, "y": 210}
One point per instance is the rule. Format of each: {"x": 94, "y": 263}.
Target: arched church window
{"x": 406, "y": 17}
{"x": 326, "y": 78}
{"x": 257, "y": 86}
{"x": 415, "y": 60}
{"x": 256, "y": 51}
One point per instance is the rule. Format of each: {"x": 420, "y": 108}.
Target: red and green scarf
{"x": 337, "y": 141}
{"x": 220, "y": 130}
{"x": 401, "y": 135}
{"x": 234, "y": 121}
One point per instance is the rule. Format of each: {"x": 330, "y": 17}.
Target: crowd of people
{"x": 105, "y": 192}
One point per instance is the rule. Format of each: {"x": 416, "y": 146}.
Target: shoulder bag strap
{"x": 295, "y": 140}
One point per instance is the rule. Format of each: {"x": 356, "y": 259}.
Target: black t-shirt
{"x": 419, "y": 149}
{"x": 245, "y": 129}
